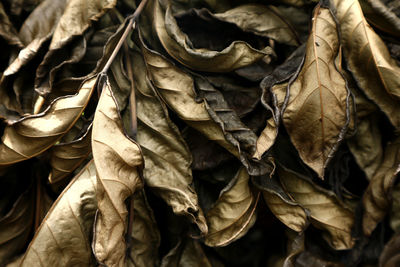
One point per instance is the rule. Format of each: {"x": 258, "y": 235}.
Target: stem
{"x": 132, "y": 19}
{"x": 38, "y": 104}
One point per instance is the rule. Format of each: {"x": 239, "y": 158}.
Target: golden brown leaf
{"x": 118, "y": 161}
{"x": 316, "y": 116}
{"x": 63, "y": 238}
{"x": 166, "y": 154}
{"x": 65, "y": 157}
{"x": 238, "y": 54}
{"x": 233, "y": 214}
{"x": 368, "y": 58}
{"x": 378, "y": 196}
{"x": 262, "y": 20}
{"x": 390, "y": 255}
{"x": 326, "y": 211}
{"x": 34, "y": 134}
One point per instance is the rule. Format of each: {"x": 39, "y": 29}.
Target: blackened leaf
{"x": 7, "y": 30}
{"x": 237, "y": 55}
{"x": 262, "y": 20}
{"x": 316, "y": 116}
{"x": 165, "y": 153}
{"x": 63, "y": 238}
{"x": 378, "y": 196}
{"x": 233, "y": 214}
{"x": 118, "y": 162}
{"x": 368, "y": 59}
{"x": 326, "y": 211}
{"x": 34, "y": 134}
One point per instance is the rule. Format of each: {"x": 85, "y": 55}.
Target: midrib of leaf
{"x": 319, "y": 81}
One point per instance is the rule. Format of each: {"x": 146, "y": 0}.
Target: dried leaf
{"x": 238, "y": 54}
{"x": 34, "y": 134}
{"x": 378, "y": 196}
{"x": 16, "y": 227}
{"x": 326, "y": 211}
{"x": 395, "y": 209}
{"x": 316, "y": 116}
{"x": 63, "y": 237}
{"x": 118, "y": 162}
{"x": 7, "y": 30}
{"x": 65, "y": 157}
{"x": 390, "y": 254}
{"x": 176, "y": 89}
{"x": 368, "y": 58}
{"x": 145, "y": 234}
{"x": 165, "y": 152}
{"x": 262, "y": 20}
{"x": 233, "y": 214}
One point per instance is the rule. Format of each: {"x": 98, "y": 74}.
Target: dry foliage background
{"x": 199, "y": 133}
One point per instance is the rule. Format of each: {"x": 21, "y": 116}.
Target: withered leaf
{"x": 390, "y": 254}
{"x": 262, "y": 20}
{"x": 7, "y": 30}
{"x": 118, "y": 162}
{"x": 34, "y": 134}
{"x": 64, "y": 235}
{"x": 377, "y": 197}
{"x": 237, "y": 55}
{"x": 165, "y": 153}
{"x": 316, "y": 116}
{"x": 368, "y": 59}
{"x": 233, "y": 214}
{"x": 65, "y": 157}
{"x": 145, "y": 234}
{"x": 326, "y": 211}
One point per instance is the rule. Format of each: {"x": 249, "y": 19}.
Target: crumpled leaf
{"x": 166, "y": 154}
{"x": 145, "y": 234}
{"x": 262, "y": 20}
{"x": 34, "y": 134}
{"x": 326, "y": 211}
{"x": 176, "y": 89}
{"x": 63, "y": 238}
{"x": 65, "y": 157}
{"x": 368, "y": 59}
{"x": 238, "y": 54}
{"x": 394, "y": 212}
{"x": 118, "y": 162}
{"x": 188, "y": 252}
{"x": 317, "y": 114}
{"x": 378, "y": 196}
{"x": 233, "y": 214}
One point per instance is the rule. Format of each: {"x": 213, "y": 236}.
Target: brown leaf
{"x": 262, "y": 20}
{"x": 233, "y": 214}
{"x": 118, "y": 163}
{"x": 7, "y": 30}
{"x": 166, "y": 154}
{"x": 378, "y": 196}
{"x": 368, "y": 58}
{"x": 317, "y": 114}
{"x": 395, "y": 209}
{"x": 145, "y": 234}
{"x": 238, "y": 54}
{"x": 65, "y": 157}
{"x": 326, "y": 211}
{"x": 390, "y": 255}
{"x": 34, "y": 134}
{"x": 188, "y": 252}
{"x": 63, "y": 237}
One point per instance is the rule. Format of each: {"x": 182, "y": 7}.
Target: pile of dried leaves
{"x": 200, "y": 133}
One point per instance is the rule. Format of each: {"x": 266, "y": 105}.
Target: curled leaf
{"x": 34, "y": 134}
{"x": 233, "y": 214}
{"x": 118, "y": 161}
